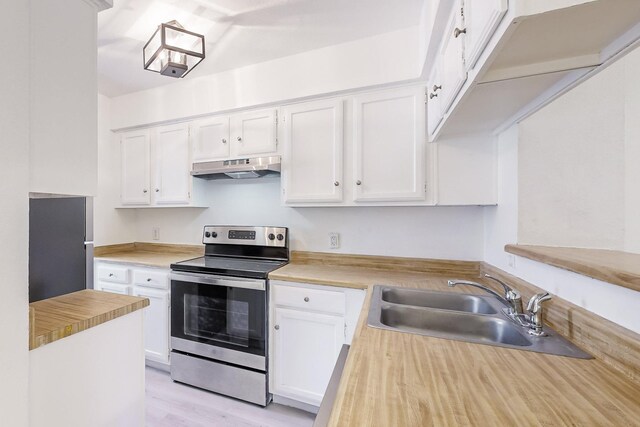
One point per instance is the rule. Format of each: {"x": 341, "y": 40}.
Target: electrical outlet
{"x": 156, "y": 233}
{"x": 334, "y": 240}
{"x": 511, "y": 260}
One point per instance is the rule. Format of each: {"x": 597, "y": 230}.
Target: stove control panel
{"x": 254, "y": 236}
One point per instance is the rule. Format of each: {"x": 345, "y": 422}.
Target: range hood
{"x": 256, "y": 167}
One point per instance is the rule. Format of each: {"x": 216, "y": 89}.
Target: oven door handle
{"x": 208, "y": 279}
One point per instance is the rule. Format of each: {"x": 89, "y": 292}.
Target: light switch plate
{"x": 156, "y": 233}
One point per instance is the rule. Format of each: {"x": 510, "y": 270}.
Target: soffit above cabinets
{"x": 237, "y": 32}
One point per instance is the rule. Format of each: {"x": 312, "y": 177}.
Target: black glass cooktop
{"x": 227, "y": 266}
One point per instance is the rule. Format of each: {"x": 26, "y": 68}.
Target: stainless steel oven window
{"x": 217, "y": 319}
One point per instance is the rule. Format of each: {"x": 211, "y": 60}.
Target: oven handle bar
{"x": 209, "y": 279}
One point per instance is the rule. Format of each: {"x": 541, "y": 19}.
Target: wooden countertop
{"x": 398, "y": 379}
{"x": 620, "y": 268}
{"x": 147, "y": 254}
{"x": 56, "y": 318}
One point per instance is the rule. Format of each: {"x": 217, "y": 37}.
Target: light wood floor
{"x": 170, "y": 404}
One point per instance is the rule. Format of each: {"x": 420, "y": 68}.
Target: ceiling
{"x": 237, "y": 32}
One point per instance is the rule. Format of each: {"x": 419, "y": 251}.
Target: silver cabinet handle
{"x": 358, "y": 182}
{"x": 110, "y": 274}
{"x": 336, "y": 183}
{"x": 306, "y": 299}
{"x": 239, "y": 139}
{"x": 433, "y": 95}
{"x": 458, "y": 31}
{"x": 144, "y": 191}
{"x": 148, "y": 279}
{"x": 224, "y": 140}
{"x": 276, "y": 327}
{"x": 157, "y": 190}
{"x": 436, "y": 88}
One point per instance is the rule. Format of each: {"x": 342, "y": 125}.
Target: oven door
{"x": 218, "y": 317}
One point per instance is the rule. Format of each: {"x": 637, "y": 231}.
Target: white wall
{"x": 612, "y": 302}
{"x": 110, "y": 225}
{"x": 14, "y": 216}
{"x": 579, "y": 174}
{"x": 428, "y": 232}
{"x": 371, "y": 61}
{"x": 63, "y": 111}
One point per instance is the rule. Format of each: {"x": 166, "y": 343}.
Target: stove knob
{"x": 214, "y": 234}
{"x": 272, "y": 236}
{"x": 280, "y": 237}
{"x": 207, "y": 234}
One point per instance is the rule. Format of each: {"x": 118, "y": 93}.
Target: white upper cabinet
{"x": 451, "y": 60}
{"x": 389, "y": 137}
{"x": 434, "y": 95}
{"x": 172, "y": 165}
{"x": 481, "y": 20}
{"x": 134, "y": 149}
{"x": 254, "y": 133}
{"x": 211, "y": 139}
{"x": 313, "y": 147}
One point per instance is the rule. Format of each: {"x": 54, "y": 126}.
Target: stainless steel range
{"x": 219, "y": 311}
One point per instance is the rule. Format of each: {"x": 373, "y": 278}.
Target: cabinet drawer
{"x": 151, "y": 279}
{"x": 113, "y": 274}
{"x": 113, "y": 288}
{"x": 311, "y": 299}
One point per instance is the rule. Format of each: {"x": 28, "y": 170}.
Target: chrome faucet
{"x": 511, "y": 297}
{"x": 534, "y": 318}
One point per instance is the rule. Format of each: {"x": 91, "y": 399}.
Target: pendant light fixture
{"x": 173, "y": 51}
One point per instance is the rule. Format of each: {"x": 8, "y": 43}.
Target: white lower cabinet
{"x": 152, "y": 283}
{"x": 309, "y": 325}
{"x": 156, "y": 324}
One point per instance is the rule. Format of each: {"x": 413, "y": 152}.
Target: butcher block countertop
{"x": 398, "y": 379}
{"x": 147, "y": 254}
{"x": 56, "y": 318}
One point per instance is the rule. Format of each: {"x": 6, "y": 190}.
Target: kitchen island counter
{"x": 59, "y": 317}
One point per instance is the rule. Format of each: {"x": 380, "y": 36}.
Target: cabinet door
{"x": 113, "y": 288}
{"x": 134, "y": 150}
{"x": 481, "y": 20}
{"x": 156, "y": 324}
{"x": 434, "y": 95}
{"x": 307, "y": 345}
{"x": 210, "y": 139}
{"x": 312, "y": 164}
{"x": 172, "y": 165}
{"x": 389, "y": 138}
{"x": 453, "y": 71}
{"x": 254, "y": 133}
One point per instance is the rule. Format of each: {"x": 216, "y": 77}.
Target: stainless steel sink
{"x": 453, "y": 325}
{"x": 441, "y": 300}
{"x": 460, "y": 317}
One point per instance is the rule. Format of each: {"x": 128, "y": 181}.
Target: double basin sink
{"x": 462, "y": 317}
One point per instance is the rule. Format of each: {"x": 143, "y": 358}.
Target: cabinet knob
{"x": 306, "y": 299}
{"x": 436, "y": 88}
{"x": 110, "y": 274}
{"x": 224, "y": 140}
{"x": 157, "y": 190}
{"x": 433, "y": 95}
{"x": 144, "y": 191}
{"x": 276, "y": 327}
{"x": 458, "y": 31}
{"x": 239, "y": 139}
{"x": 148, "y": 279}
{"x": 358, "y": 182}
{"x": 336, "y": 183}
